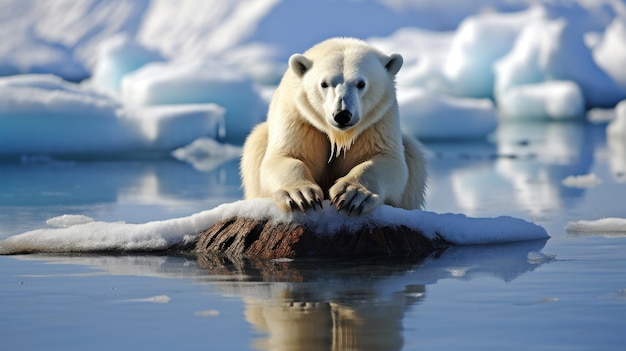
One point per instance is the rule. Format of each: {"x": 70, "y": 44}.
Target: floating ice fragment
{"x": 206, "y": 154}
{"x": 535, "y": 257}
{"x": 207, "y": 313}
{"x": 152, "y": 299}
{"x": 553, "y": 100}
{"x": 582, "y": 181}
{"x": 67, "y": 220}
{"x": 606, "y": 225}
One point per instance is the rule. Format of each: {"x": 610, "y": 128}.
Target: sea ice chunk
{"x": 429, "y": 115}
{"x": 117, "y": 57}
{"x": 553, "y": 99}
{"x": 196, "y": 83}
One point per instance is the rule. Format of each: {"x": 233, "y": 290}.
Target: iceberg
{"x": 429, "y": 115}
{"x": 159, "y": 84}
{"x": 43, "y": 114}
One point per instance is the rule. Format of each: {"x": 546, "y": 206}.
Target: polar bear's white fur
{"x": 333, "y": 132}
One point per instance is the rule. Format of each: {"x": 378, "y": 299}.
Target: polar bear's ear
{"x": 394, "y": 63}
{"x": 299, "y": 64}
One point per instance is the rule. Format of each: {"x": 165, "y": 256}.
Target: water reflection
{"x": 324, "y": 304}
{"x": 57, "y": 183}
{"x": 133, "y": 191}
{"x": 356, "y": 304}
{"x": 523, "y": 165}
{"x": 617, "y": 159}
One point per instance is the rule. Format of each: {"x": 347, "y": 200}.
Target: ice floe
{"x": 162, "y": 235}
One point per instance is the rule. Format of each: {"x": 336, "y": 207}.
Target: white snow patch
{"x": 161, "y": 235}
{"x": 606, "y": 225}
{"x": 68, "y": 220}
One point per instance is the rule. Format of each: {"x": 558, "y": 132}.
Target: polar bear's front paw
{"x": 354, "y": 199}
{"x": 301, "y": 198}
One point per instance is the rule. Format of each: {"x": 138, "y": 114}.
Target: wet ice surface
{"x": 563, "y": 293}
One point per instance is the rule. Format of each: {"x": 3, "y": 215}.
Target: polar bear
{"x": 333, "y": 132}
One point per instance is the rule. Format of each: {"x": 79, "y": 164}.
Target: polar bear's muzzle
{"x": 343, "y": 118}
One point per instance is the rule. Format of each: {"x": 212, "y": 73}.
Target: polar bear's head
{"x": 344, "y": 85}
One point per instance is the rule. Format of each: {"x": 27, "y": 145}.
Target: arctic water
{"x": 565, "y": 293}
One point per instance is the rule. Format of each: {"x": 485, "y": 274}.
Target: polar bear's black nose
{"x": 342, "y": 117}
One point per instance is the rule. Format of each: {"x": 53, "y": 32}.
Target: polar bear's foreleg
{"x": 290, "y": 183}
{"x": 286, "y": 180}
{"x": 369, "y": 184}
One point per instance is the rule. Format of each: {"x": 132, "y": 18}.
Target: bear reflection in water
{"x": 361, "y": 324}
{"x": 354, "y": 303}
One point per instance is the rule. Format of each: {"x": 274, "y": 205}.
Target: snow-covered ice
{"x": 206, "y": 154}
{"x": 67, "y": 220}
{"x": 479, "y": 42}
{"x": 194, "y": 83}
{"x": 603, "y": 226}
{"x": 161, "y": 235}
{"x": 43, "y": 114}
{"x": 553, "y": 100}
{"x": 117, "y": 57}
{"x": 430, "y": 115}
{"x": 538, "y": 59}
{"x": 610, "y": 53}
{"x": 544, "y": 50}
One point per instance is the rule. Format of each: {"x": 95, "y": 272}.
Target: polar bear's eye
{"x": 360, "y": 84}
{"x": 324, "y": 85}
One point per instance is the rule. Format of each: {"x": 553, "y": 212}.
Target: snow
{"x": 605, "y": 225}
{"x": 193, "y": 83}
{"x": 543, "y": 52}
{"x": 479, "y": 42}
{"x": 65, "y": 221}
{"x": 610, "y": 53}
{"x": 161, "y": 235}
{"x": 42, "y": 114}
{"x": 536, "y": 59}
{"x": 553, "y": 100}
{"x": 429, "y": 115}
{"x": 117, "y": 57}
{"x": 206, "y": 154}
